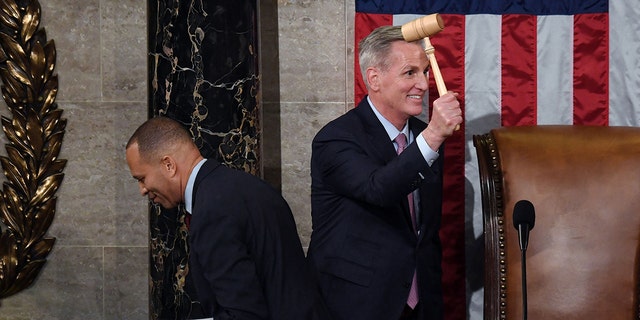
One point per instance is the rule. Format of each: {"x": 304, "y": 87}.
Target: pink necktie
{"x": 412, "y": 300}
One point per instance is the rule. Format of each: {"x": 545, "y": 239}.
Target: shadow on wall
{"x": 270, "y": 88}
{"x": 474, "y": 246}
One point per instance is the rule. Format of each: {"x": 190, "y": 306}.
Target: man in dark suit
{"x": 376, "y": 214}
{"x": 245, "y": 254}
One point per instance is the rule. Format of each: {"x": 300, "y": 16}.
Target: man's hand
{"x": 446, "y": 116}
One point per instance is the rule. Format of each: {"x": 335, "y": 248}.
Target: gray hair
{"x": 375, "y": 48}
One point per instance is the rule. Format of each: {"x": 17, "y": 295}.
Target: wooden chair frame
{"x": 502, "y": 300}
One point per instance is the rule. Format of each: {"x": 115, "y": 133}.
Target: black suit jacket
{"x": 245, "y": 256}
{"x": 362, "y": 246}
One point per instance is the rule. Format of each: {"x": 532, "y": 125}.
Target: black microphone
{"x": 524, "y": 218}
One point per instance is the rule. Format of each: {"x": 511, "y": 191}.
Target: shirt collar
{"x": 188, "y": 191}
{"x": 391, "y": 130}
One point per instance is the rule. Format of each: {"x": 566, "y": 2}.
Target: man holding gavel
{"x": 377, "y": 190}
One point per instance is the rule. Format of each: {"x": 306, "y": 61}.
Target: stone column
{"x": 203, "y": 72}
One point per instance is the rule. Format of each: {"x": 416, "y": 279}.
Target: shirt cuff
{"x": 429, "y": 155}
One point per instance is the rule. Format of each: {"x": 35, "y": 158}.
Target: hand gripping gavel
{"x": 423, "y": 28}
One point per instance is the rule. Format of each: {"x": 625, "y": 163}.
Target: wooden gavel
{"x": 423, "y": 28}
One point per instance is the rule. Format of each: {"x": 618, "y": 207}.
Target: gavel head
{"x": 422, "y": 27}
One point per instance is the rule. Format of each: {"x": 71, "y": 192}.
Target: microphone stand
{"x": 523, "y": 256}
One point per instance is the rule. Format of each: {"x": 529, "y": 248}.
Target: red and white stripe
{"x": 513, "y": 70}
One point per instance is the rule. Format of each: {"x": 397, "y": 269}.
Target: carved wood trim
{"x": 491, "y": 187}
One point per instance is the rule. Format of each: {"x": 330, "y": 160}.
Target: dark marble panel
{"x": 204, "y": 69}
{"x": 203, "y": 72}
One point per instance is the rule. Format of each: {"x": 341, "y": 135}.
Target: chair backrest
{"x": 582, "y": 257}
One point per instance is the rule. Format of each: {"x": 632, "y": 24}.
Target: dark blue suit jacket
{"x": 362, "y": 246}
{"x": 245, "y": 256}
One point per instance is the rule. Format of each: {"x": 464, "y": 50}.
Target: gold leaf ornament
{"x": 34, "y": 134}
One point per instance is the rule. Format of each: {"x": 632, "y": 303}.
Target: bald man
{"x": 245, "y": 254}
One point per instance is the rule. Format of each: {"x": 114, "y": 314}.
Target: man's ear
{"x": 169, "y": 165}
{"x": 373, "y": 78}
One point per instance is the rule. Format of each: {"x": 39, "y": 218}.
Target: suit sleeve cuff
{"x": 429, "y": 155}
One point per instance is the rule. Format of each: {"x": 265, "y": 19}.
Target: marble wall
{"x": 98, "y": 268}
{"x": 316, "y": 85}
{"x": 204, "y": 73}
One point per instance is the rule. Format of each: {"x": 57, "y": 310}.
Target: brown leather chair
{"x": 582, "y": 261}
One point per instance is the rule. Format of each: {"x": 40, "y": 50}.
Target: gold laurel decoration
{"x": 34, "y": 134}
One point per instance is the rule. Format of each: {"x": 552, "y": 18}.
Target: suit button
{"x": 407, "y": 284}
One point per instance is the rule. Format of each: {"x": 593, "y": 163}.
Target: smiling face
{"x": 157, "y": 181}
{"x": 398, "y": 89}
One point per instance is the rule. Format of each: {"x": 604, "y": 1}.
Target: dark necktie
{"x": 412, "y": 300}
{"x": 187, "y": 220}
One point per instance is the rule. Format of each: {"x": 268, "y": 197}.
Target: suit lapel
{"x": 375, "y": 132}
{"x": 416, "y": 126}
{"x": 377, "y": 135}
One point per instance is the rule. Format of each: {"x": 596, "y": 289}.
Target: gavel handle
{"x": 430, "y": 51}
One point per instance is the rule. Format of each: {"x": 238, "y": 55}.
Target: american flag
{"x": 514, "y": 62}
